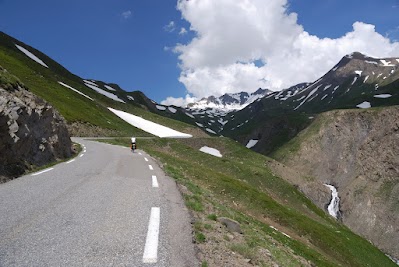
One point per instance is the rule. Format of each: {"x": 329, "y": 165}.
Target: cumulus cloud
{"x": 232, "y": 36}
{"x": 126, "y": 14}
{"x": 179, "y": 102}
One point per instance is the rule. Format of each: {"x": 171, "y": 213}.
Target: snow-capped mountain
{"x": 229, "y": 102}
{"x": 356, "y": 77}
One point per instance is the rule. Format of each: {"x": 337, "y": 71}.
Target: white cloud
{"x": 179, "y": 102}
{"x": 231, "y": 35}
{"x": 183, "y": 31}
{"x": 126, "y": 14}
{"x": 170, "y": 27}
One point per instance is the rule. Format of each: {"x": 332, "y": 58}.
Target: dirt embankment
{"x": 357, "y": 151}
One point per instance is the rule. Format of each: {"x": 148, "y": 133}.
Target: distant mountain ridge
{"x": 229, "y": 102}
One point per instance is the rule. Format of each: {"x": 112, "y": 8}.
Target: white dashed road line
{"x": 43, "y": 171}
{"x": 151, "y": 244}
{"x": 72, "y": 160}
{"x": 145, "y": 159}
{"x": 81, "y": 155}
{"x": 154, "y": 181}
{"x": 151, "y": 168}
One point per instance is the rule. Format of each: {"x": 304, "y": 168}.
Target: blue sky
{"x": 129, "y": 42}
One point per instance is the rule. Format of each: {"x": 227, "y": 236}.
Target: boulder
{"x": 231, "y": 225}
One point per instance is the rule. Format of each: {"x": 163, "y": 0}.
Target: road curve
{"x": 107, "y": 207}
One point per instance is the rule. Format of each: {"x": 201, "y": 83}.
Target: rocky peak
{"x": 229, "y": 102}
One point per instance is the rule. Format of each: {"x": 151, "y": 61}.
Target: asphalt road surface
{"x": 107, "y": 207}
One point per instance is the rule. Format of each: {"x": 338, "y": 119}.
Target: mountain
{"x": 356, "y": 152}
{"x": 229, "y": 102}
{"x": 280, "y": 224}
{"x": 82, "y": 102}
{"x": 357, "y": 81}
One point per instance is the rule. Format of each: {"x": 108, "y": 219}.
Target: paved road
{"x": 101, "y": 209}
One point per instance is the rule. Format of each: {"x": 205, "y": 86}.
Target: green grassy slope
{"x": 241, "y": 185}
{"x": 74, "y": 107}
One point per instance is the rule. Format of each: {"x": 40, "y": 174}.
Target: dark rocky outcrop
{"x": 32, "y": 133}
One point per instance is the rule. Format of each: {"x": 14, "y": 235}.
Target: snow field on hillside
{"x": 211, "y": 151}
{"x": 109, "y": 87}
{"x": 149, "y": 126}
{"x": 160, "y": 107}
{"x": 383, "y": 96}
{"x": 77, "y": 91}
{"x": 252, "y": 143}
{"x": 31, "y": 55}
{"x": 365, "y": 104}
{"x": 103, "y": 92}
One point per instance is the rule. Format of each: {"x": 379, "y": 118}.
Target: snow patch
{"x": 160, "y": 107}
{"x": 327, "y": 86}
{"x": 211, "y": 151}
{"x": 358, "y": 72}
{"x": 309, "y": 95}
{"x": 386, "y": 63}
{"x": 90, "y": 82}
{"x": 31, "y": 55}
{"x": 365, "y": 79}
{"x": 383, "y": 96}
{"x": 149, "y": 126}
{"x": 324, "y": 96}
{"x": 222, "y": 122}
{"x": 210, "y": 131}
{"x": 354, "y": 80}
{"x": 199, "y": 124}
{"x": 371, "y": 62}
{"x": 191, "y": 116}
{"x": 105, "y": 93}
{"x": 365, "y": 104}
{"x": 109, "y": 87}
{"x": 77, "y": 91}
{"x": 252, "y": 143}
{"x": 173, "y": 110}
{"x": 130, "y": 97}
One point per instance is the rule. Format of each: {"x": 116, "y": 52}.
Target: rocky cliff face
{"x": 357, "y": 152}
{"x": 32, "y": 133}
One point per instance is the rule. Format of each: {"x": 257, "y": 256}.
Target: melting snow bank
{"x": 77, "y": 91}
{"x": 365, "y": 104}
{"x": 31, "y": 55}
{"x": 211, "y": 151}
{"x": 149, "y": 126}
{"x": 252, "y": 143}
{"x": 383, "y": 96}
{"x": 103, "y": 92}
{"x": 333, "y": 207}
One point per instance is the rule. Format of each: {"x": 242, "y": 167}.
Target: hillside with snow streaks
{"x": 103, "y": 92}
